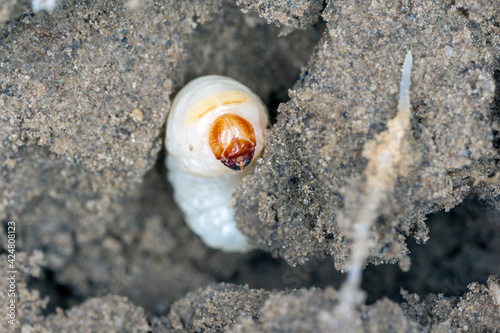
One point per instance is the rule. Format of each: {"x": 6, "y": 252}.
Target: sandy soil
{"x": 102, "y": 247}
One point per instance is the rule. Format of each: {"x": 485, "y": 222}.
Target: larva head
{"x": 215, "y": 127}
{"x": 232, "y": 140}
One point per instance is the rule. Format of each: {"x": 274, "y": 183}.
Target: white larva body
{"x": 203, "y": 186}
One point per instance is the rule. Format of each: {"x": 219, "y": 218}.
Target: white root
{"x": 385, "y": 155}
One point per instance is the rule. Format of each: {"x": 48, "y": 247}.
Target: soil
{"x": 102, "y": 247}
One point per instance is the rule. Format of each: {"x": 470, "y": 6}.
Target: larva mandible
{"x": 215, "y": 130}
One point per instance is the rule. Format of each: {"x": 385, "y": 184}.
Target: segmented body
{"x": 215, "y": 130}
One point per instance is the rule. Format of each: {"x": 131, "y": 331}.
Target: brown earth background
{"x": 102, "y": 247}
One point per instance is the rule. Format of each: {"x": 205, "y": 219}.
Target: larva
{"x": 215, "y": 130}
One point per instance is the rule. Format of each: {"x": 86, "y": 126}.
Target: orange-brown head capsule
{"x": 232, "y": 140}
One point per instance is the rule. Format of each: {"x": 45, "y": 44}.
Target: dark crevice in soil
{"x": 460, "y": 251}
{"x": 60, "y": 296}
